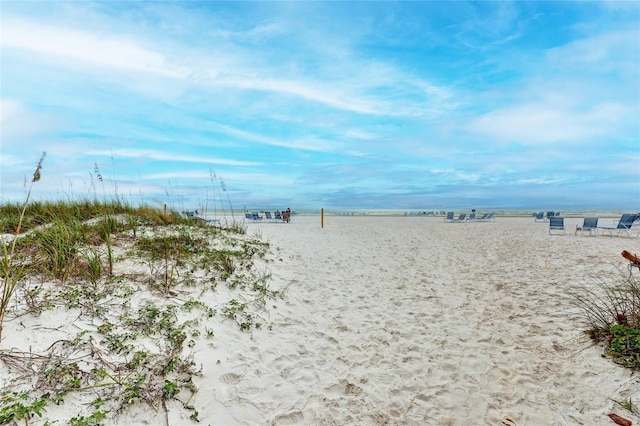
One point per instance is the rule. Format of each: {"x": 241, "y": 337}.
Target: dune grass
{"x": 613, "y": 314}
{"x": 138, "y": 327}
{"x": 11, "y": 266}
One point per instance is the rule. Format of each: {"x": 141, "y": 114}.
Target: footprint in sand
{"x": 293, "y": 418}
{"x": 231, "y": 378}
{"x": 351, "y": 389}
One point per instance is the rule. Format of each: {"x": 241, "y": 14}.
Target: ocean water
{"x": 419, "y": 212}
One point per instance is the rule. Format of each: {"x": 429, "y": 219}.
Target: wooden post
{"x": 322, "y": 218}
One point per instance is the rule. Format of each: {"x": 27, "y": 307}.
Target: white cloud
{"x": 145, "y": 154}
{"x": 535, "y": 123}
{"x": 270, "y": 180}
{"x": 600, "y": 53}
{"x": 111, "y": 51}
{"x": 9, "y": 108}
{"x": 307, "y": 143}
{"x": 626, "y": 6}
{"x": 19, "y": 121}
{"x": 455, "y": 174}
{"x": 316, "y": 92}
{"x": 127, "y": 53}
{"x": 582, "y": 91}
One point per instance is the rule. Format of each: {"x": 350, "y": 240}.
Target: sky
{"x": 323, "y": 104}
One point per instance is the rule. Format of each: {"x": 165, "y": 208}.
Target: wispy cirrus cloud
{"x": 81, "y": 46}
{"x": 155, "y": 155}
{"x": 584, "y": 91}
{"x": 546, "y": 122}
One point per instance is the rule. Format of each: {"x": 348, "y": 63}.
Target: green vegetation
{"x": 139, "y": 325}
{"x": 11, "y": 265}
{"x": 613, "y": 314}
{"x": 19, "y": 406}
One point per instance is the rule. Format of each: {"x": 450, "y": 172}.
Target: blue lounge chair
{"x": 588, "y": 224}
{"x": 624, "y": 225}
{"x": 556, "y": 224}
{"x": 539, "y": 216}
{"x": 449, "y": 217}
{"x": 193, "y": 215}
{"x": 461, "y": 218}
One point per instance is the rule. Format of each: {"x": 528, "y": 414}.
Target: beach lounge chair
{"x": 256, "y": 216}
{"x": 267, "y": 215}
{"x": 472, "y": 217}
{"x": 193, "y": 215}
{"x": 449, "y": 217}
{"x": 588, "y": 224}
{"x": 550, "y": 215}
{"x": 539, "y": 217}
{"x": 624, "y": 225}
{"x": 461, "y": 218}
{"x": 556, "y": 224}
{"x": 277, "y": 216}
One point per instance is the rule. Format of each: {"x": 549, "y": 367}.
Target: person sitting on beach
{"x": 286, "y": 215}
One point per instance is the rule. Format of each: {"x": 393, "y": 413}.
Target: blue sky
{"x": 400, "y": 105}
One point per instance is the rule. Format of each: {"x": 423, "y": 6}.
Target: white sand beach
{"x": 412, "y": 321}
